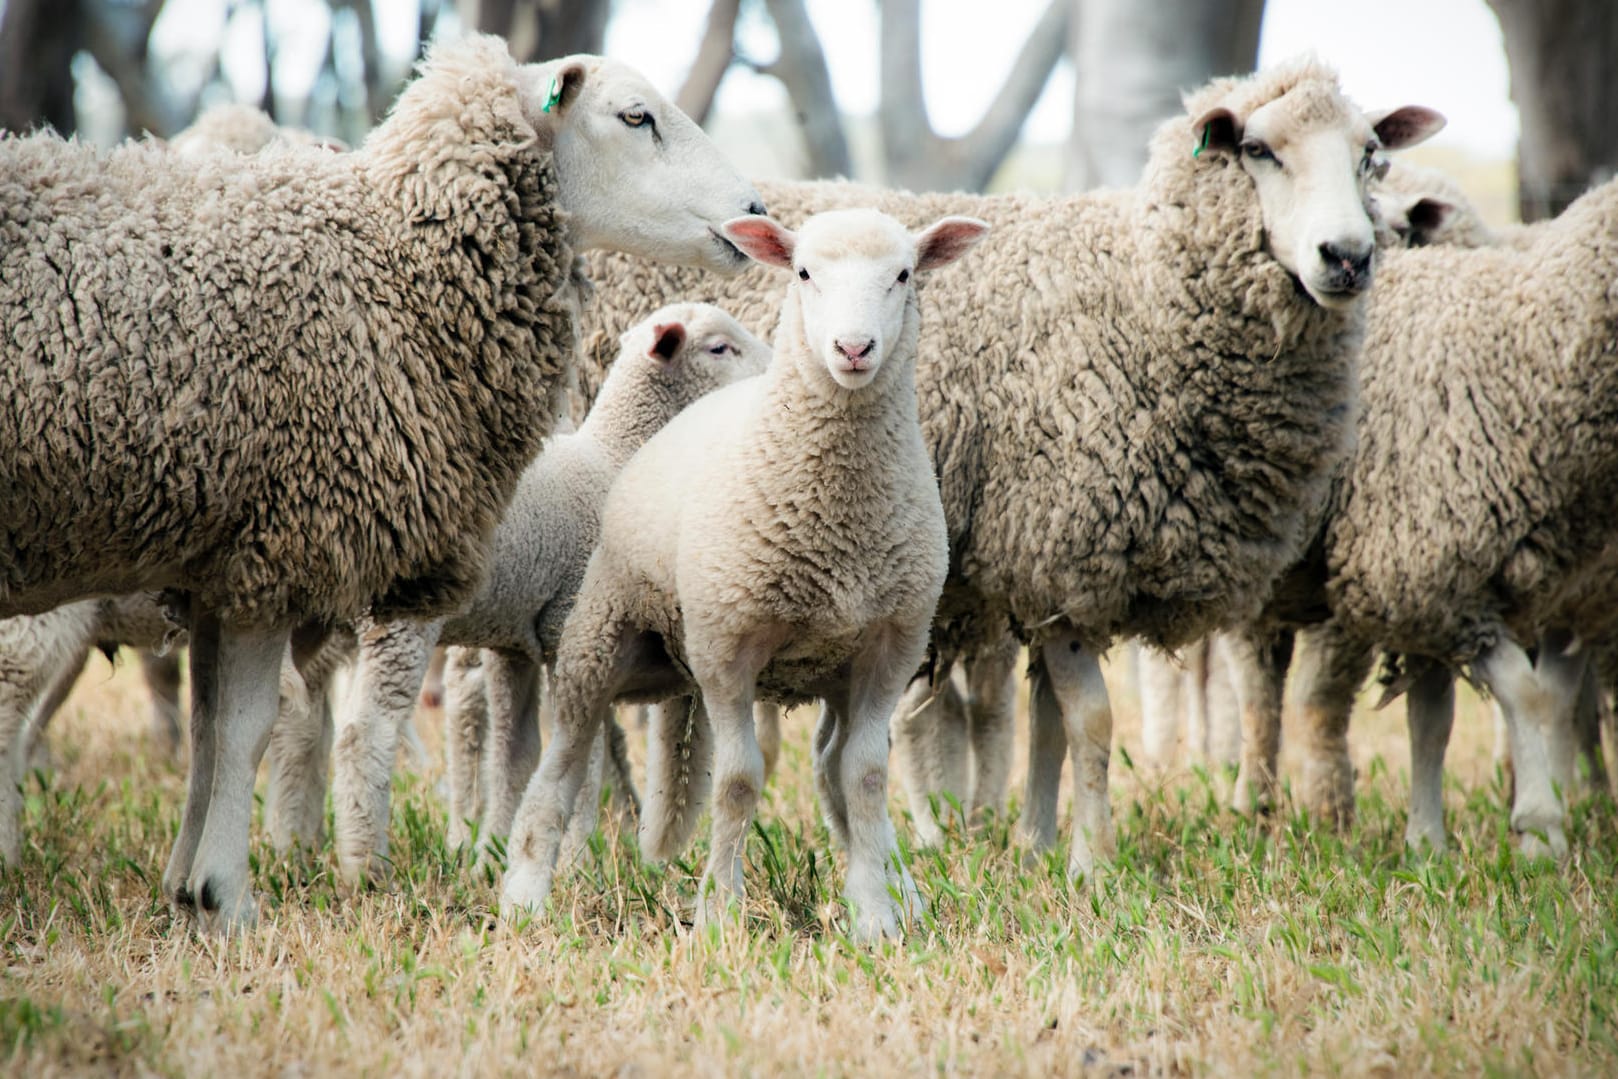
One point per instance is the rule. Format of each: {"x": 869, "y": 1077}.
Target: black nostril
{"x": 1356, "y": 262}
{"x": 756, "y": 207}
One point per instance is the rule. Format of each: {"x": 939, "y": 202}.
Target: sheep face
{"x": 1311, "y": 157}
{"x": 693, "y": 348}
{"x": 637, "y": 175}
{"x": 855, "y": 280}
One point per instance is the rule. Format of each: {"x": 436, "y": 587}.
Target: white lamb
{"x": 800, "y": 552}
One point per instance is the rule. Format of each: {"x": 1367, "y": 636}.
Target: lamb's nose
{"x": 855, "y": 347}
{"x": 1355, "y": 262}
{"x": 757, "y": 207}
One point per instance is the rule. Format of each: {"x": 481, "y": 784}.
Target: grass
{"x": 1216, "y": 945}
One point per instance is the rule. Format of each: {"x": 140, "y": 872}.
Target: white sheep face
{"x": 694, "y": 348}
{"x": 637, "y": 175}
{"x": 854, "y": 280}
{"x": 1311, "y": 159}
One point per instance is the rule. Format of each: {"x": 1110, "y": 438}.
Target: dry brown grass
{"x": 1218, "y": 946}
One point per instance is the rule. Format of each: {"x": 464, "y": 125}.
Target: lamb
{"x": 540, "y": 547}
{"x": 1486, "y": 524}
{"x": 1139, "y": 441}
{"x": 299, "y": 386}
{"x": 801, "y": 554}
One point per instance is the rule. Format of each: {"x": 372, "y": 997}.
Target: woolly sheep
{"x": 299, "y": 385}
{"x": 242, "y": 129}
{"x": 540, "y": 548}
{"x": 1474, "y": 514}
{"x": 1137, "y": 433}
{"x": 800, "y": 552}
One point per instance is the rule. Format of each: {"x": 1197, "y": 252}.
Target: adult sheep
{"x": 1134, "y": 401}
{"x": 301, "y": 385}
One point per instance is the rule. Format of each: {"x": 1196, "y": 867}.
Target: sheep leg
{"x": 68, "y": 668}
{"x": 930, "y": 735}
{"x": 1258, "y": 663}
{"x": 466, "y": 719}
{"x": 40, "y": 654}
{"x": 1430, "y": 714}
{"x": 1219, "y": 700}
{"x": 1587, "y": 731}
{"x": 738, "y": 781}
{"x": 204, "y": 646}
{"x": 294, "y": 741}
{"x": 1194, "y": 699}
{"x": 587, "y": 805}
{"x": 1047, "y": 749}
{"x": 1162, "y": 684}
{"x": 1561, "y": 667}
{"x": 162, "y": 673}
{"x": 245, "y": 682}
{"x": 831, "y": 736}
{"x": 991, "y": 714}
{"x": 387, "y": 677}
{"x": 883, "y": 664}
{"x": 625, "y": 798}
{"x": 512, "y": 745}
{"x": 1536, "y": 812}
{"x": 1330, "y": 675}
{"x": 767, "y": 726}
{"x": 679, "y": 754}
{"x": 1081, "y": 694}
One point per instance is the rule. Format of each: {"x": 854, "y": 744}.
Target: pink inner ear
{"x": 762, "y": 240}
{"x": 947, "y": 241}
{"x": 666, "y": 340}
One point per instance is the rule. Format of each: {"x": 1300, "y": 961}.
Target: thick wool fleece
{"x": 242, "y": 129}
{"x": 299, "y": 384}
{"x": 1132, "y": 408}
{"x": 1426, "y": 207}
{"x": 1479, "y": 500}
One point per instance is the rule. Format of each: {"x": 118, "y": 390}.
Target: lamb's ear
{"x": 1216, "y": 130}
{"x": 762, "y": 239}
{"x": 667, "y": 337}
{"x": 1406, "y": 126}
{"x": 1426, "y": 216}
{"x": 946, "y": 240}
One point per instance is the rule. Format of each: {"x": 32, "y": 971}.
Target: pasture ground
{"x": 1217, "y": 946}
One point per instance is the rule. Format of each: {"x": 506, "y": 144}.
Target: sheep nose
{"x": 1352, "y": 262}
{"x": 855, "y": 347}
{"x": 757, "y": 207}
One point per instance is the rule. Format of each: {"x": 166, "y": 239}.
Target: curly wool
{"x": 1132, "y": 408}
{"x": 297, "y": 385}
{"x": 1479, "y": 501}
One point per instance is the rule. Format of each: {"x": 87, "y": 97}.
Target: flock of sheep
{"x": 497, "y": 380}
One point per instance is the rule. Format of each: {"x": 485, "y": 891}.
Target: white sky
{"x": 1443, "y": 53}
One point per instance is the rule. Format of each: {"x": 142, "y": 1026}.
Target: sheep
{"x": 540, "y": 547}
{"x": 1477, "y": 526}
{"x": 800, "y": 552}
{"x": 1137, "y": 436}
{"x": 299, "y": 386}
{"x": 242, "y": 129}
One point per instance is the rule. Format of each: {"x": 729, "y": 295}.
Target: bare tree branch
{"x": 982, "y": 150}
{"x": 37, "y": 41}
{"x": 116, "y": 34}
{"x": 801, "y": 67}
{"x": 907, "y": 133}
{"x": 714, "y": 56}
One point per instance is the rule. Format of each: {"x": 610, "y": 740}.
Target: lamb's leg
{"x": 679, "y": 775}
{"x": 511, "y": 748}
{"x": 930, "y": 736}
{"x": 1075, "y": 678}
{"x": 1224, "y": 714}
{"x": 67, "y": 669}
{"x": 1162, "y": 684}
{"x": 882, "y": 664}
{"x": 991, "y": 713}
{"x": 1258, "y": 663}
{"x": 1047, "y": 749}
{"x": 387, "y": 677}
{"x": 38, "y": 654}
{"x": 162, "y": 671}
{"x": 466, "y": 719}
{"x": 246, "y": 681}
{"x": 738, "y": 781}
{"x": 1430, "y": 713}
{"x": 1506, "y": 672}
{"x": 767, "y": 725}
{"x": 587, "y": 806}
{"x": 1329, "y": 676}
{"x": 1587, "y": 731}
{"x": 831, "y": 736}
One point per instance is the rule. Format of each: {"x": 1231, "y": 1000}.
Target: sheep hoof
{"x": 525, "y": 891}
{"x": 1426, "y": 843}
{"x": 220, "y": 908}
{"x": 1551, "y": 845}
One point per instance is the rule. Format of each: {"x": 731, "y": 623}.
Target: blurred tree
{"x": 541, "y": 29}
{"x": 37, "y": 41}
{"x": 714, "y": 55}
{"x": 1562, "y": 55}
{"x": 1132, "y": 59}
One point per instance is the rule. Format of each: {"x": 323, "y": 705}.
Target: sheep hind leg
{"x": 246, "y": 680}
{"x": 1329, "y": 675}
{"x": 1047, "y": 751}
{"x": 1430, "y": 714}
{"x": 1162, "y": 685}
{"x": 1074, "y": 676}
{"x": 831, "y": 735}
{"x": 1592, "y": 776}
{"x": 512, "y": 745}
{"x": 767, "y": 726}
{"x": 1536, "y": 813}
{"x": 466, "y": 722}
{"x": 991, "y": 714}
{"x": 1258, "y": 663}
{"x": 930, "y": 735}
{"x": 162, "y": 674}
{"x": 40, "y": 654}
{"x": 679, "y": 753}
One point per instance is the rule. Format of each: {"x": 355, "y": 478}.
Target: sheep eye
{"x": 719, "y": 349}
{"x": 1257, "y": 151}
{"x": 803, "y": 275}
{"x": 904, "y": 275}
{"x": 635, "y": 116}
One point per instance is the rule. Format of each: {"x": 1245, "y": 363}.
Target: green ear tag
{"x": 553, "y": 97}
{"x": 1203, "y": 145}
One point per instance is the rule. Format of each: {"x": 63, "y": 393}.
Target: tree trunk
{"x": 714, "y": 56}
{"x": 801, "y": 67}
{"x": 1133, "y": 58}
{"x": 37, "y": 41}
{"x": 541, "y": 29}
{"x": 1561, "y": 54}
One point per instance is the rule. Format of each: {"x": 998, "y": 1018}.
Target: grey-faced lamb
{"x": 800, "y": 551}
{"x": 301, "y": 385}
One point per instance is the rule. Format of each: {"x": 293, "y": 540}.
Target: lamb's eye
{"x": 1257, "y": 151}
{"x": 803, "y": 275}
{"x": 635, "y": 116}
{"x": 720, "y": 348}
{"x": 904, "y": 275}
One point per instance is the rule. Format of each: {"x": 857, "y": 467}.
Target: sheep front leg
{"x": 767, "y": 726}
{"x": 991, "y": 713}
{"x": 1162, "y": 684}
{"x": 1258, "y": 664}
{"x": 204, "y": 748}
{"x": 1329, "y": 676}
{"x": 512, "y": 745}
{"x": 930, "y": 738}
{"x": 1561, "y": 667}
{"x": 1430, "y": 714}
{"x": 1047, "y": 750}
{"x": 391, "y": 663}
{"x": 738, "y": 781}
{"x": 246, "y": 680}
{"x": 162, "y": 673}
{"x": 1536, "y": 813}
{"x": 1074, "y": 676}
{"x": 466, "y": 721}
{"x": 679, "y": 775}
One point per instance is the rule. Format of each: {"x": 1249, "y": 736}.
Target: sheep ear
{"x": 1427, "y": 215}
{"x": 762, "y": 239}
{"x": 1403, "y": 127}
{"x": 666, "y": 340}
{"x": 1216, "y": 130}
{"x": 946, "y": 240}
